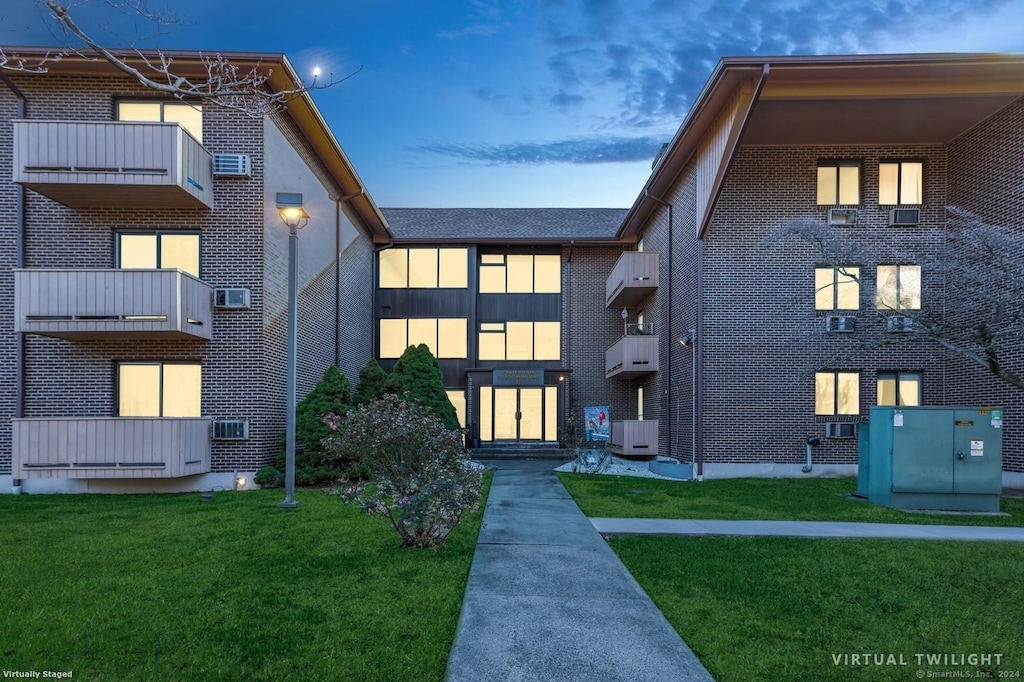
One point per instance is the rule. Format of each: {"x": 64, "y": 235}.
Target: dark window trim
{"x": 157, "y": 234}
{"x": 841, "y": 163}
{"x": 160, "y": 388}
{"x": 899, "y": 178}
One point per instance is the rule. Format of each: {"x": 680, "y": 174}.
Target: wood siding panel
{"x": 73, "y": 303}
{"x": 139, "y": 447}
{"x": 634, "y": 438}
{"x": 632, "y": 356}
{"x": 634, "y": 277}
{"x": 60, "y": 159}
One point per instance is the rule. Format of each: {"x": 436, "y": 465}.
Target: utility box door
{"x": 977, "y": 458}
{"x": 921, "y": 461}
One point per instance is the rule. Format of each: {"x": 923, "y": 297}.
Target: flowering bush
{"x": 421, "y": 478}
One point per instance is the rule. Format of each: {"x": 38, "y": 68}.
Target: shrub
{"x": 417, "y": 375}
{"x": 422, "y": 479}
{"x": 268, "y": 477}
{"x": 371, "y": 383}
{"x": 331, "y": 395}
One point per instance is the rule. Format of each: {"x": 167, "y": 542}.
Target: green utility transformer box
{"x": 941, "y": 458}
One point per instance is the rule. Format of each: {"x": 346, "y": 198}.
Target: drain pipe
{"x": 810, "y": 442}
{"x": 668, "y": 355}
{"x": 19, "y": 262}
{"x": 566, "y": 406}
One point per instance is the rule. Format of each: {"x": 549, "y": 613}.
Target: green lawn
{"x": 802, "y": 499}
{"x": 781, "y": 608}
{"x": 164, "y": 587}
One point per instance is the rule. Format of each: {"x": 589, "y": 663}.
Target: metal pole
{"x": 289, "y": 462}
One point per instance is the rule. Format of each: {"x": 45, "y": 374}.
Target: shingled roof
{"x": 504, "y": 224}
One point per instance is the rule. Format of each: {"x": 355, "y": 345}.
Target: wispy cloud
{"x": 484, "y": 20}
{"x": 592, "y": 150}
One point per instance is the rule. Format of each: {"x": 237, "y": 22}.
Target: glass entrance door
{"x": 519, "y": 413}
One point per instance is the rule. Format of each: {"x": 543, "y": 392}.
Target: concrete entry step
{"x": 519, "y": 452}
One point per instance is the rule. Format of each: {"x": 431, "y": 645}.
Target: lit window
{"x": 899, "y": 388}
{"x": 898, "y": 287}
{"x": 520, "y": 341}
{"x": 445, "y": 337}
{"x": 165, "y": 250}
{"x": 188, "y": 116}
{"x": 547, "y": 340}
{"x": 838, "y": 184}
{"x": 640, "y": 403}
{"x": 423, "y": 268}
{"x": 900, "y": 182}
{"x": 520, "y": 274}
{"x": 157, "y": 389}
{"x": 836, "y": 393}
{"x": 837, "y": 288}
{"x": 458, "y": 400}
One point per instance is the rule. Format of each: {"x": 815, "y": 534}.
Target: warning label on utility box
{"x": 977, "y": 448}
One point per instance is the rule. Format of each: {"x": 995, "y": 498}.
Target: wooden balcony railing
{"x": 633, "y": 278}
{"x": 632, "y": 356}
{"x": 633, "y": 438}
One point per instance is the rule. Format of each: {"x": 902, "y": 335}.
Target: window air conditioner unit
{"x": 841, "y": 323}
{"x": 899, "y": 324}
{"x": 232, "y": 299}
{"x": 842, "y": 216}
{"x": 232, "y": 165}
{"x": 904, "y": 216}
{"x": 840, "y": 430}
{"x": 230, "y": 429}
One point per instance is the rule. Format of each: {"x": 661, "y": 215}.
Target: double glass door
{"x": 519, "y": 413}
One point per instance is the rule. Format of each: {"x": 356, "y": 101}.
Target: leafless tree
{"x": 218, "y": 81}
{"x": 981, "y": 269}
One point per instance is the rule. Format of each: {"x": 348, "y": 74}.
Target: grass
{"x": 147, "y": 587}
{"x": 774, "y": 499}
{"x": 781, "y": 608}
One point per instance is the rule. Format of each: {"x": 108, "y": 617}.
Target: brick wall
{"x": 356, "y": 318}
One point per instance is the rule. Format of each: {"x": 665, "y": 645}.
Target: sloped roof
{"x": 504, "y": 224}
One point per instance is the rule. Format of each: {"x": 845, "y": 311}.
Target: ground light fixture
{"x": 289, "y": 204}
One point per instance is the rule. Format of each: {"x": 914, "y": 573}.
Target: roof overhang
{"x": 280, "y": 77}
{"x": 841, "y": 100}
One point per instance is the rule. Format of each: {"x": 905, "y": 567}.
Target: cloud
{"x": 487, "y": 94}
{"x": 480, "y": 30}
{"x": 584, "y": 151}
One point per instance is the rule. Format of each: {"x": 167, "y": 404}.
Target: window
{"x": 424, "y": 268}
{"x": 640, "y": 403}
{"x": 838, "y": 183}
{"x": 520, "y": 341}
{"x": 159, "y": 250}
{"x": 900, "y": 182}
{"x": 520, "y": 274}
{"x": 898, "y": 287}
{"x": 836, "y": 393}
{"x": 458, "y": 400}
{"x": 156, "y": 389}
{"x": 445, "y": 337}
{"x": 837, "y": 288}
{"x": 188, "y": 116}
{"x": 899, "y": 388}
{"x": 640, "y": 245}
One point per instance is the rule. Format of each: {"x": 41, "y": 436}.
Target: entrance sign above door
{"x": 518, "y": 377}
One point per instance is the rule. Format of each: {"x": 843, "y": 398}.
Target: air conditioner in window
{"x": 840, "y": 430}
{"x": 904, "y": 216}
{"x": 232, "y": 165}
{"x": 842, "y": 216}
{"x": 840, "y": 323}
{"x": 231, "y": 299}
{"x": 899, "y": 324}
{"x": 230, "y": 429}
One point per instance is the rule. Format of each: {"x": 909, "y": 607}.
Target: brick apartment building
{"x": 707, "y": 338}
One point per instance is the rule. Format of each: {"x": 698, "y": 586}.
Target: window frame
{"x": 489, "y": 261}
{"x": 897, "y": 376}
{"x": 197, "y": 105}
{"x": 438, "y": 259}
{"x": 899, "y": 287}
{"x": 835, "y": 393}
{"x": 436, "y": 350}
{"x": 159, "y": 246}
{"x": 899, "y": 181}
{"x": 503, "y": 331}
{"x": 838, "y": 164}
{"x": 160, "y": 387}
{"x": 837, "y": 270}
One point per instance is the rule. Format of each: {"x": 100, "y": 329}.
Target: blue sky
{"x": 531, "y": 103}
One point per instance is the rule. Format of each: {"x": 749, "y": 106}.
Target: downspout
{"x": 668, "y": 358}
{"x": 337, "y": 271}
{"x": 19, "y": 262}
{"x": 566, "y": 413}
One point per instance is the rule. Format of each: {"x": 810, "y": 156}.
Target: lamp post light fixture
{"x": 293, "y": 215}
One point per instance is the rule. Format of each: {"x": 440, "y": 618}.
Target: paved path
{"x": 548, "y": 600}
{"x": 805, "y": 529}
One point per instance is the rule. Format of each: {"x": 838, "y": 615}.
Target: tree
{"x": 331, "y": 395}
{"x": 217, "y": 80}
{"x": 418, "y": 374}
{"x": 981, "y": 270}
{"x": 372, "y": 380}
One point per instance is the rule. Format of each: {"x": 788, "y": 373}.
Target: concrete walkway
{"x": 548, "y": 600}
{"x": 805, "y": 529}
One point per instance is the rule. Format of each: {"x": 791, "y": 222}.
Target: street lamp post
{"x": 295, "y": 217}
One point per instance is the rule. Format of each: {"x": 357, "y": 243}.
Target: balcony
{"x": 113, "y": 163}
{"x": 112, "y": 303}
{"x": 633, "y": 278}
{"x": 132, "y": 447}
{"x": 633, "y": 438}
{"x": 635, "y": 354}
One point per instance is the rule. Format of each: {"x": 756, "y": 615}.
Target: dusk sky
{"x": 532, "y": 103}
